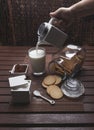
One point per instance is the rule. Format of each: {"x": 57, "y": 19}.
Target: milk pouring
{"x": 49, "y": 34}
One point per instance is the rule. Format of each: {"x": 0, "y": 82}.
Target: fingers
{"x": 56, "y": 22}
{"x": 64, "y": 17}
{"x": 56, "y": 14}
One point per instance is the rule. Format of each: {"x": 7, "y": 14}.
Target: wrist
{"x": 72, "y": 12}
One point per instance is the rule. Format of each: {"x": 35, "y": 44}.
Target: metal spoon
{"x": 37, "y": 93}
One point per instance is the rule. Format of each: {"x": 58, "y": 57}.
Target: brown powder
{"x": 20, "y": 68}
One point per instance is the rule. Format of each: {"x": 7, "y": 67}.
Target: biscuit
{"x": 50, "y": 88}
{"x": 49, "y": 80}
{"x": 44, "y": 85}
{"x": 58, "y": 79}
{"x": 55, "y": 92}
{"x": 51, "y": 67}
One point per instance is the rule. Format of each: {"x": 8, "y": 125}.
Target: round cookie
{"x": 56, "y": 92}
{"x": 58, "y": 79}
{"x": 44, "y": 85}
{"x": 50, "y": 88}
{"x": 49, "y": 80}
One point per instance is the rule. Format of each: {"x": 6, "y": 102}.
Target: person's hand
{"x": 64, "y": 17}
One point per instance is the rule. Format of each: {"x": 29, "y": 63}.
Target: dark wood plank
{"x": 47, "y": 128}
{"x": 48, "y": 119}
{"x": 44, "y": 107}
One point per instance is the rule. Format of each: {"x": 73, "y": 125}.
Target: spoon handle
{"x": 50, "y": 101}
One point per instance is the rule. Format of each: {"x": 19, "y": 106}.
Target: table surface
{"x": 66, "y": 114}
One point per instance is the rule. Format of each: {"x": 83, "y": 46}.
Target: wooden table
{"x": 66, "y": 114}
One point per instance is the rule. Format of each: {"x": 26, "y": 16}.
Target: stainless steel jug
{"x": 49, "y": 34}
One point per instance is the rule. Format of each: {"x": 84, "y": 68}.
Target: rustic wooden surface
{"x": 66, "y": 114}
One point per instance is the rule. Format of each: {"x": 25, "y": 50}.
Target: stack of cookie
{"x": 51, "y": 83}
{"x": 69, "y": 62}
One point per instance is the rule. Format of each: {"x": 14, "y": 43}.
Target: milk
{"x": 37, "y": 58}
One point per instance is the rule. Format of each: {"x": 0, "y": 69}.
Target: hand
{"x": 64, "y": 17}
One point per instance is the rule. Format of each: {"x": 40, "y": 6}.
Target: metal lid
{"x": 72, "y": 88}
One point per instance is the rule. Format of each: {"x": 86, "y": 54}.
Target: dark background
{"x": 20, "y": 19}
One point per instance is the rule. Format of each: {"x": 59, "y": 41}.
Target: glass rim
{"x": 34, "y": 48}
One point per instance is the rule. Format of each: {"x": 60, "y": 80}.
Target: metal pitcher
{"x": 49, "y": 34}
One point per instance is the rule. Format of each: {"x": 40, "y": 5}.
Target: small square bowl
{"x": 19, "y": 69}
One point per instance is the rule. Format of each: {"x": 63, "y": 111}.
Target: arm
{"x": 78, "y": 10}
{"x": 82, "y": 8}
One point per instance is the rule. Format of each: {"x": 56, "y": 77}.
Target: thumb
{"x": 52, "y": 14}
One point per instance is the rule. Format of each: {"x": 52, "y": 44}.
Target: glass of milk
{"x": 37, "y": 59}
